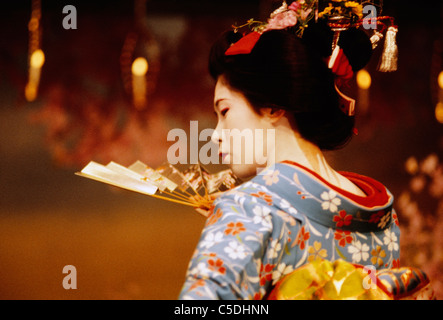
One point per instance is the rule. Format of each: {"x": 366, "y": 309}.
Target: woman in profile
{"x": 285, "y": 78}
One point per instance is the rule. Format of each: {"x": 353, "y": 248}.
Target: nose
{"x": 216, "y": 136}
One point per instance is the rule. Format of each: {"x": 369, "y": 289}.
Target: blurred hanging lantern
{"x": 36, "y": 56}
{"x": 364, "y": 82}
{"x": 139, "y": 69}
{"x": 439, "y": 107}
{"x": 439, "y": 112}
{"x": 35, "y": 65}
{"x": 140, "y": 59}
{"x": 440, "y": 80}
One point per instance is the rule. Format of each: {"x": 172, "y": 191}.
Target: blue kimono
{"x": 282, "y": 219}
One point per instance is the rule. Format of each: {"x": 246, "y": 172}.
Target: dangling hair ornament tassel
{"x": 389, "y": 59}
{"x": 375, "y": 39}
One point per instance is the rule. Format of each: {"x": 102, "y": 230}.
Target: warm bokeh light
{"x": 440, "y": 80}
{"x": 37, "y": 59}
{"x": 364, "y": 80}
{"x": 33, "y": 24}
{"x": 139, "y": 67}
{"x": 411, "y": 165}
{"x": 30, "y": 92}
{"x": 439, "y": 112}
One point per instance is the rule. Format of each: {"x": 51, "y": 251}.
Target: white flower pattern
{"x": 330, "y": 201}
{"x": 281, "y": 271}
{"x": 211, "y": 239}
{"x": 359, "y": 251}
{"x": 271, "y": 177}
{"x": 262, "y": 216}
{"x": 235, "y": 250}
{"x": 390, "y": 240}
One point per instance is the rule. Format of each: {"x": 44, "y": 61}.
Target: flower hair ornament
{"x": 340, "y": 16}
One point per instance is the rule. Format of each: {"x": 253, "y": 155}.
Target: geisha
{"x": 299, "y": 208}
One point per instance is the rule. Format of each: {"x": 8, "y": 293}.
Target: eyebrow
{"x": 217, "y": 102}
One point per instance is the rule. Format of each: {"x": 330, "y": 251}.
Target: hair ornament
{"x": 375, "y": 39}
{"x": 340, "y": 15}
{"x": 297, "y": 15}
{"x": 244, "y": 45}
{"x": 389, "y": 60}
{"x": 342, "y": 69}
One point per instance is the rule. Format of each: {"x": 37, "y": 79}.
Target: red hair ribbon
{"x": 244, "y": 45}
{"x": 342, "y": 69}
{"x": 340, "y": 66}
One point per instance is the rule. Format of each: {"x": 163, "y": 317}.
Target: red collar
{"x": 376, "y": 193}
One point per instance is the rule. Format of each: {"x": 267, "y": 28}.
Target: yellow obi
{"x": 341, "y": 280}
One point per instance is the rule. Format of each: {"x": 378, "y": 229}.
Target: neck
{"x": 290, "y": 145}
{"x": 295, "y": 148}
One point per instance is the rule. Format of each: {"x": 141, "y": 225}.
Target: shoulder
{"x": 269, "y": 188}
{"x": 240, "y": 199}
{"x": 244, "y": 202}
{"x": 254, "y": 199}
{"x": 248, "y": 193}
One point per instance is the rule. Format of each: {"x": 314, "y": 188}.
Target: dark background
{"x": 126, "y": 245}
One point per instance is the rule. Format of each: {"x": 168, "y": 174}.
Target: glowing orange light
{"x": 440, "y": 80}
{"x": 364, "y": 79}
{"x": 30, "y": 92}
{"x": 139, "y": 67}
{"x": 439, "y": 112}
{"x": 33, "y": 24}
{"x": 37, "y": 59}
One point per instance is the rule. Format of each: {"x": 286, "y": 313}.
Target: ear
{"x": 272, "y": 114}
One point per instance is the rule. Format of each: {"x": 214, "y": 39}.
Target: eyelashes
{"x": 224, "y": 111}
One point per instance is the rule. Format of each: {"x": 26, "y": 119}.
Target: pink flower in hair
{"x": 282, "y": 20}
{"x": 285, "y": 16}
{"x": 297, "y": 7}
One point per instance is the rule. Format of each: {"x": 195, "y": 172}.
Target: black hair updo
{"x": 286, "y": 72}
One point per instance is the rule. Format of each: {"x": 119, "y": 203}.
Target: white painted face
{"x": 244, "y": 137}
